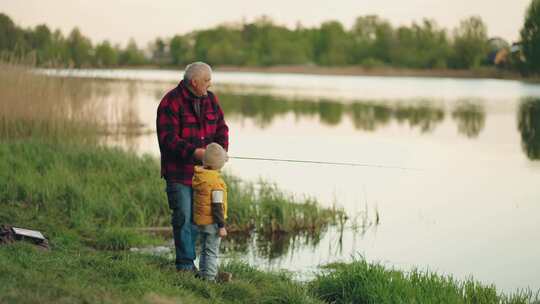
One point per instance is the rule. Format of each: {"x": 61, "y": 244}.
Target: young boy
{"x": 210, "y": 208}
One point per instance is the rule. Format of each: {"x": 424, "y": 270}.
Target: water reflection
{"x": 127, "y": 109}
{"x": 271, "y": 246}
{"x": 365, "y": 115}
{"x": 276, "y": 246}
{"x": 330, "y": 112}
{"x": 369, "y": 116}
{"x": 424, "y": 115}
{"x": 529, "y": 126}
{"x": 470, "y": 117}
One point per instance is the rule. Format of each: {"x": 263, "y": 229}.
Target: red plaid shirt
{"x": 180, "y": 131}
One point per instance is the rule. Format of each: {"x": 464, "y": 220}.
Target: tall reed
{"x": 265, "y": 208}
{"x": 33, "y": 105}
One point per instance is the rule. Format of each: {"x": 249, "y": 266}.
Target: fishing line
{"x": 325, "y": 163}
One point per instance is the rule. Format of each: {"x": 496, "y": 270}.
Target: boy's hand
{"x": 222, "y": 232}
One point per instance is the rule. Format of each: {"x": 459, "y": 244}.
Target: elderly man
{"x": 188, "y": 119}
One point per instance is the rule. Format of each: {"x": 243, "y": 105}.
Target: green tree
{"x": 287, "y": 47}
{"x": 372, "y": 40}
{"x": 159, "y": 52}
{"x": 332, "y": 44}
{"x": 41, "y": 41}
{"x": 8, "y": 33}
{"x": 60, "y": 54}
{"x": 470, "y": 43}
{"x": 223, "y": 45}
{"x": 131, "y": 55}
{"x": 180, "y": 50}
{"x": 105, "y": 55}
{"x": 270, "y": 44}
{"x": 258, "y": 44}
{"x": 203, "y": 41}
{"x": 422, "y": 45}
{"x": 404, "y": 54}
{"x": 13, "y": 40}
{"x": 530, "y": 38}
{"x": 79, "y": 48}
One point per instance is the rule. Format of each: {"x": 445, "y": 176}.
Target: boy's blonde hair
{"x": 215, "y": 156}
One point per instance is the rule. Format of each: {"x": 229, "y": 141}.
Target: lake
{"x": 450, "y": 170}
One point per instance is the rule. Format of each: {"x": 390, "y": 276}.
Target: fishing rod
{"x": 325, "y": 163}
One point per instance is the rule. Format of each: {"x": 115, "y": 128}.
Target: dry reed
{"x": 34, "y": 105}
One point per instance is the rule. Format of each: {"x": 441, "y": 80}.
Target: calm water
{"x": 471, "y": 210}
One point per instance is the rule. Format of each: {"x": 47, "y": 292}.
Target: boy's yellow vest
{"x": 204, "y": 181}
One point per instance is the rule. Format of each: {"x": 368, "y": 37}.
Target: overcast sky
{"x": 145, "y": 20}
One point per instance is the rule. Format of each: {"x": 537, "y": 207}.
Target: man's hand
{"x": 199, "y": 153}
{"x": 222, "y": 232}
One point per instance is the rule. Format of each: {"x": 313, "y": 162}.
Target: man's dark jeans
{"x": 180, "y": 199}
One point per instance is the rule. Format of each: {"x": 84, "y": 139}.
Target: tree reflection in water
{"x": 330, "y": 112}
{"x": 529, "y": 126}
{"x": 273, "y": 245}
{"x": 424, "y": 115}
{"x": 365, "y": 115}
{"x": 470, "y": 117}
{"x": 369, "y": 116}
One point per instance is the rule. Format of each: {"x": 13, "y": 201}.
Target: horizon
{"x": 101, "y": 24}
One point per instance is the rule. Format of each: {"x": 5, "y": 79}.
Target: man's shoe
{"x": 192, "y": 270}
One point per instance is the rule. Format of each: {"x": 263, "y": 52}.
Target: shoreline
{"x": 481, "y": 73}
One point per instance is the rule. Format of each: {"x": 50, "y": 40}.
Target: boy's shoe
{"x": 224, "y": 277}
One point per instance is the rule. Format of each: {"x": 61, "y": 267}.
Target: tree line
{"x": 52, "y": 49}
{"x": 370, "y": 42}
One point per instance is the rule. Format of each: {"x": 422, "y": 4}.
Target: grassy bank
{"x": 79, "y": 275}
{"x": 75, "y": 274}
{"x": 363, "y": 282}
{"x": 84, "y": 199}
{"x": 86, "y": 188}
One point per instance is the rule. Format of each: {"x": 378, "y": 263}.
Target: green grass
{"x": 79, "y": 187}
{"x": 264, "y": 207}
{"x": 86, "y": 199}
{"x": 363, "y": 282}
{"x": 78, "y": 274}
{"x": 85, "y": 276}
{"x": 86, "y": 188}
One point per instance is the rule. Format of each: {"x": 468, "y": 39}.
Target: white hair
{"x": 196, "y": 69}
